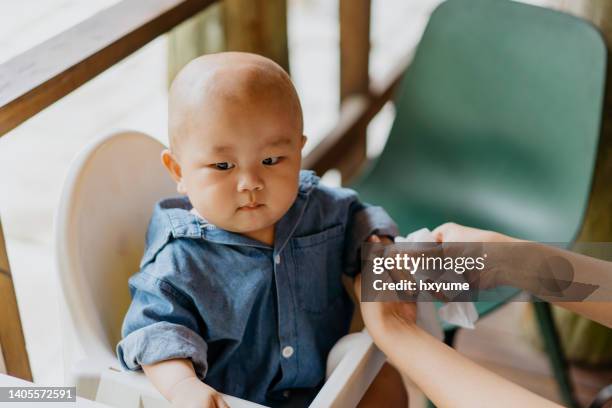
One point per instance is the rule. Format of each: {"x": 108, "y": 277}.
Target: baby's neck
{"x": 265, "y": 235}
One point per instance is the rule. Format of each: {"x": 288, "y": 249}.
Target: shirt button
{"x": 287, "y": 351}
{"x": 277, "y": 259}
{"x": 286, "y": 393}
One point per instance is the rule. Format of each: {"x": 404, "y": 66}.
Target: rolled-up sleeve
{"x": 160, "y": 325}
{"x": 364, "y": 220}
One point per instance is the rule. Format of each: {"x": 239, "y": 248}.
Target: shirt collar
{"x": 184, "y": 222}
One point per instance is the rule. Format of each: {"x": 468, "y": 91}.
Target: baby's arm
{"x": 162, "y": 334}
{"x": 364, "y": 223}
{"x": 176, "y": 380}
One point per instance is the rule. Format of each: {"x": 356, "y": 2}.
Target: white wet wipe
{"x": 461, "y": 314}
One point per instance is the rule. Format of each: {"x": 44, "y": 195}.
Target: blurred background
{"x": 35, "y": 156}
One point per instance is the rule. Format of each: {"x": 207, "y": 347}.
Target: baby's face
{"x": 240, "y": 163}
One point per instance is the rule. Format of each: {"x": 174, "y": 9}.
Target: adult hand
{"x": 500, "y": 266}
{"x": 451, "y": 232}
{"x": 383, "y": 318}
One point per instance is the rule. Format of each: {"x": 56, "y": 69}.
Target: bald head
{"x": 212, "y": 82}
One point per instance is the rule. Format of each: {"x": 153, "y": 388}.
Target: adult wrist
{"x": 396, "y": 324}
{"x": 390, "y": 336}
{"x": 518, "y": 263}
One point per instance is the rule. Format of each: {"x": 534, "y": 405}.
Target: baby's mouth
{"x": 250, "y": 206}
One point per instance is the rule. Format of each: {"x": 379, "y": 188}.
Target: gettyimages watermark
{"x": 482, "y": 271}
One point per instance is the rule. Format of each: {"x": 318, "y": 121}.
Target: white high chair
{"x": 101, "y": 222}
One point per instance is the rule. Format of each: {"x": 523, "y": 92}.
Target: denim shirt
{"x": 254, "y": 319}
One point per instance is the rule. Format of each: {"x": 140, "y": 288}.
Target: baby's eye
{"x": 223, "y": 166}
{"x": 271, "y": 161}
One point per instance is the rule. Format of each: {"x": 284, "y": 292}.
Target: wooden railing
{"x": 39, "y": 77}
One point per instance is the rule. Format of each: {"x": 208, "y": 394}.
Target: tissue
{"x": 461, "y": 314}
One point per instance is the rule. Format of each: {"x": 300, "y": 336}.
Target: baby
{"x": 240, "y": 286}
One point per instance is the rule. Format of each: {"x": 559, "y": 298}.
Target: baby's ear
{"x": 174, "y": 168}
{"x": 304, "y": 139}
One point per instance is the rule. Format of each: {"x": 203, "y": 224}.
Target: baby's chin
{"x": 244, "y": 223}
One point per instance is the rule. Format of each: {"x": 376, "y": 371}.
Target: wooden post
{"x": 598, "y": 218}
{"x": 12, "y": 342}
{"x": 354, "y": 75}
{"x": 597, "y": 224}
{"x": 258, "y": 26}
{"x": 201, "y": 34}
{"x": 355, "y": 115}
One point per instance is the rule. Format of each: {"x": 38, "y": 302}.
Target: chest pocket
{"x": 318, "y": 265}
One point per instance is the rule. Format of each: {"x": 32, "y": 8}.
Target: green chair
{"x": 497, "y": 127}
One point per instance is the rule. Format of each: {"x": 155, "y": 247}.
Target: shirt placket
{"x": 287, "y": 323}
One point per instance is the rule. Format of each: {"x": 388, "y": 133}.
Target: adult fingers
{"x": 441, "y": 231}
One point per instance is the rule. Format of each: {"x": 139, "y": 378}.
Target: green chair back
{"x": 498, "y": 121}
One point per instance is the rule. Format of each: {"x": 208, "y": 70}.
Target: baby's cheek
{"x": 212, "y": 203}
{"x": 285, "y": 194}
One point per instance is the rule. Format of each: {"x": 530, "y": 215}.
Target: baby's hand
{"x": 193, "y": 393}
{"x": 381, "y": 239}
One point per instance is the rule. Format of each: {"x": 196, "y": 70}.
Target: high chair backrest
{"x": 106, "y": 204}
{"x": 101, "y": 223}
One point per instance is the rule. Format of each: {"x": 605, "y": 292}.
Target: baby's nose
{"x": 250, "y": 182}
